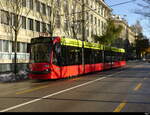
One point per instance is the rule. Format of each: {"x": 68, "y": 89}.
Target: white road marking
{"x": 35, "y": 100}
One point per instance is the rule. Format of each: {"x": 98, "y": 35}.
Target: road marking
{"x": 25, "y": 88}
{"x": 31, "y": 90}
{"x": 45, "y": 86}
{"x": 35, "y": 100}
{"x": 120, "y": 107}
{"x": 138, "y": 87}
{"x": 53, "y": 94}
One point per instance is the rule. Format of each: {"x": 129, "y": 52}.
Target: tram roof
{"x": 78, "y": 43}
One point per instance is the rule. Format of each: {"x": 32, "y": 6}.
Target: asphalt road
{"x": 119, "y": 90}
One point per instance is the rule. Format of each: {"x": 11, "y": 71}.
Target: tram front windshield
{"x": 40, "y": 53}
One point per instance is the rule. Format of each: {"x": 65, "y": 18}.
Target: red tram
{"x": 55, "y": 58}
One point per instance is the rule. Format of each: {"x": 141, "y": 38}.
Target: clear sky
{"x": 128, "y": 10}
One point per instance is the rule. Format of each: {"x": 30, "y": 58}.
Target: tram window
{"x": 97, "y": 56}
{"x": 92, "y": 56}
{"x": 122, "y": 56}
{"x": 113, "y": 56}
{"x": 74, "y": 55}
{"x": 116, "y": 56}
{"x": 64, "y": 55}
{"x": 87, "y": 55}
{"x": 107, "y": 56}
{"x": 100, "y": 56}
{"x": 40, "y": 53}
{"x": 57, "y": 54}
{"x": 71, "y": 55}
{"x": 78, "y": 55}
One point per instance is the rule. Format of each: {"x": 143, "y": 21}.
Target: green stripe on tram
{"x": 78, "y": 43}
{"x": 93, "y": 45}
{"x": 71, "y": 42}
{"x": 114, "y": 49}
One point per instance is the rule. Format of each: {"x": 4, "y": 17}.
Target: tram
{"x": 56, "y": 58}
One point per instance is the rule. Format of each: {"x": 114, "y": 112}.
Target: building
{"x": 34, "y": 18}
{"x": 127, "y": 37}
{"x": 127, "y": 32}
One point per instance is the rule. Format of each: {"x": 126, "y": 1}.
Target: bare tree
{"x": 73, "y": 20}
{"x": 16, "y": 9}
{"x": 52, "y": 16}
{"x": 63, "y": 15}
{"x": 144, "y": 8}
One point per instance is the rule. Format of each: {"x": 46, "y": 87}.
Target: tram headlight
{"x": 46, "y": 65}
{"x": 47, "y": 70}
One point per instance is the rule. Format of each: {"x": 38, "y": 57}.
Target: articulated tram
{"x": 56, "y": 58}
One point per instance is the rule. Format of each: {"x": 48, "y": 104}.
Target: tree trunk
{"x": 15, "y": 52}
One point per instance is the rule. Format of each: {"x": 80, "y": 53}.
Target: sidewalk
{"x": 23, "y": 75}
{"x": 11, "y": 77}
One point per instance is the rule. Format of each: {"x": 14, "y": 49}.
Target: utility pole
{"x": 83, "y": 35}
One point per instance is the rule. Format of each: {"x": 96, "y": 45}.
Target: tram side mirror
{"x": 57, "y": 48}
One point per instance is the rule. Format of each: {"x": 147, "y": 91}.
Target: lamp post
{"x": 83, "y": 35}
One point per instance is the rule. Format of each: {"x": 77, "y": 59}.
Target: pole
{"x": 83, "y": 35}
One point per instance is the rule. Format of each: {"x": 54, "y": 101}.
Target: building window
{"x": 30, "y": 24}
{"x": 43, "y": 8}
{"x": 58, "y": 20}
{"x": 91, "y": 18}
{"x": 4, "y": 17}
{"x": 37, "y": 26}
{"x": 24, "y": 3}
{"x": 1, "y": 46}
{"x": 23, "y": 22}
{"x": 5, "y": 46}
{"x": 37, "y": 6}
{"x": 30, "y": 4}
{"x": 102, "y": 11}
{"x": 95, "y": 21}
{"x": 21, "y": 47}
{"x": 87, "y": 2}
{"x": 66, "y": 7}
{"x": 87, "y": 16}
{"x": 99, "y": 26}
{"x": 43, "y": 27}
{"x": 48, "y": 28}
{"x": 48, "y": 10}
{"x": 66, "y": 25}
{"x": 14, "y": 19}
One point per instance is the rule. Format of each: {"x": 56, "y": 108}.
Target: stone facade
{"x": 127, "y": 31}
{"x": 40, "y": 17}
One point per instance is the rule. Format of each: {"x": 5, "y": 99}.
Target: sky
{"x": 128, "y": 10}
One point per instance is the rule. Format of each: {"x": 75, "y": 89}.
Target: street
{"x": 119, "y": 90}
